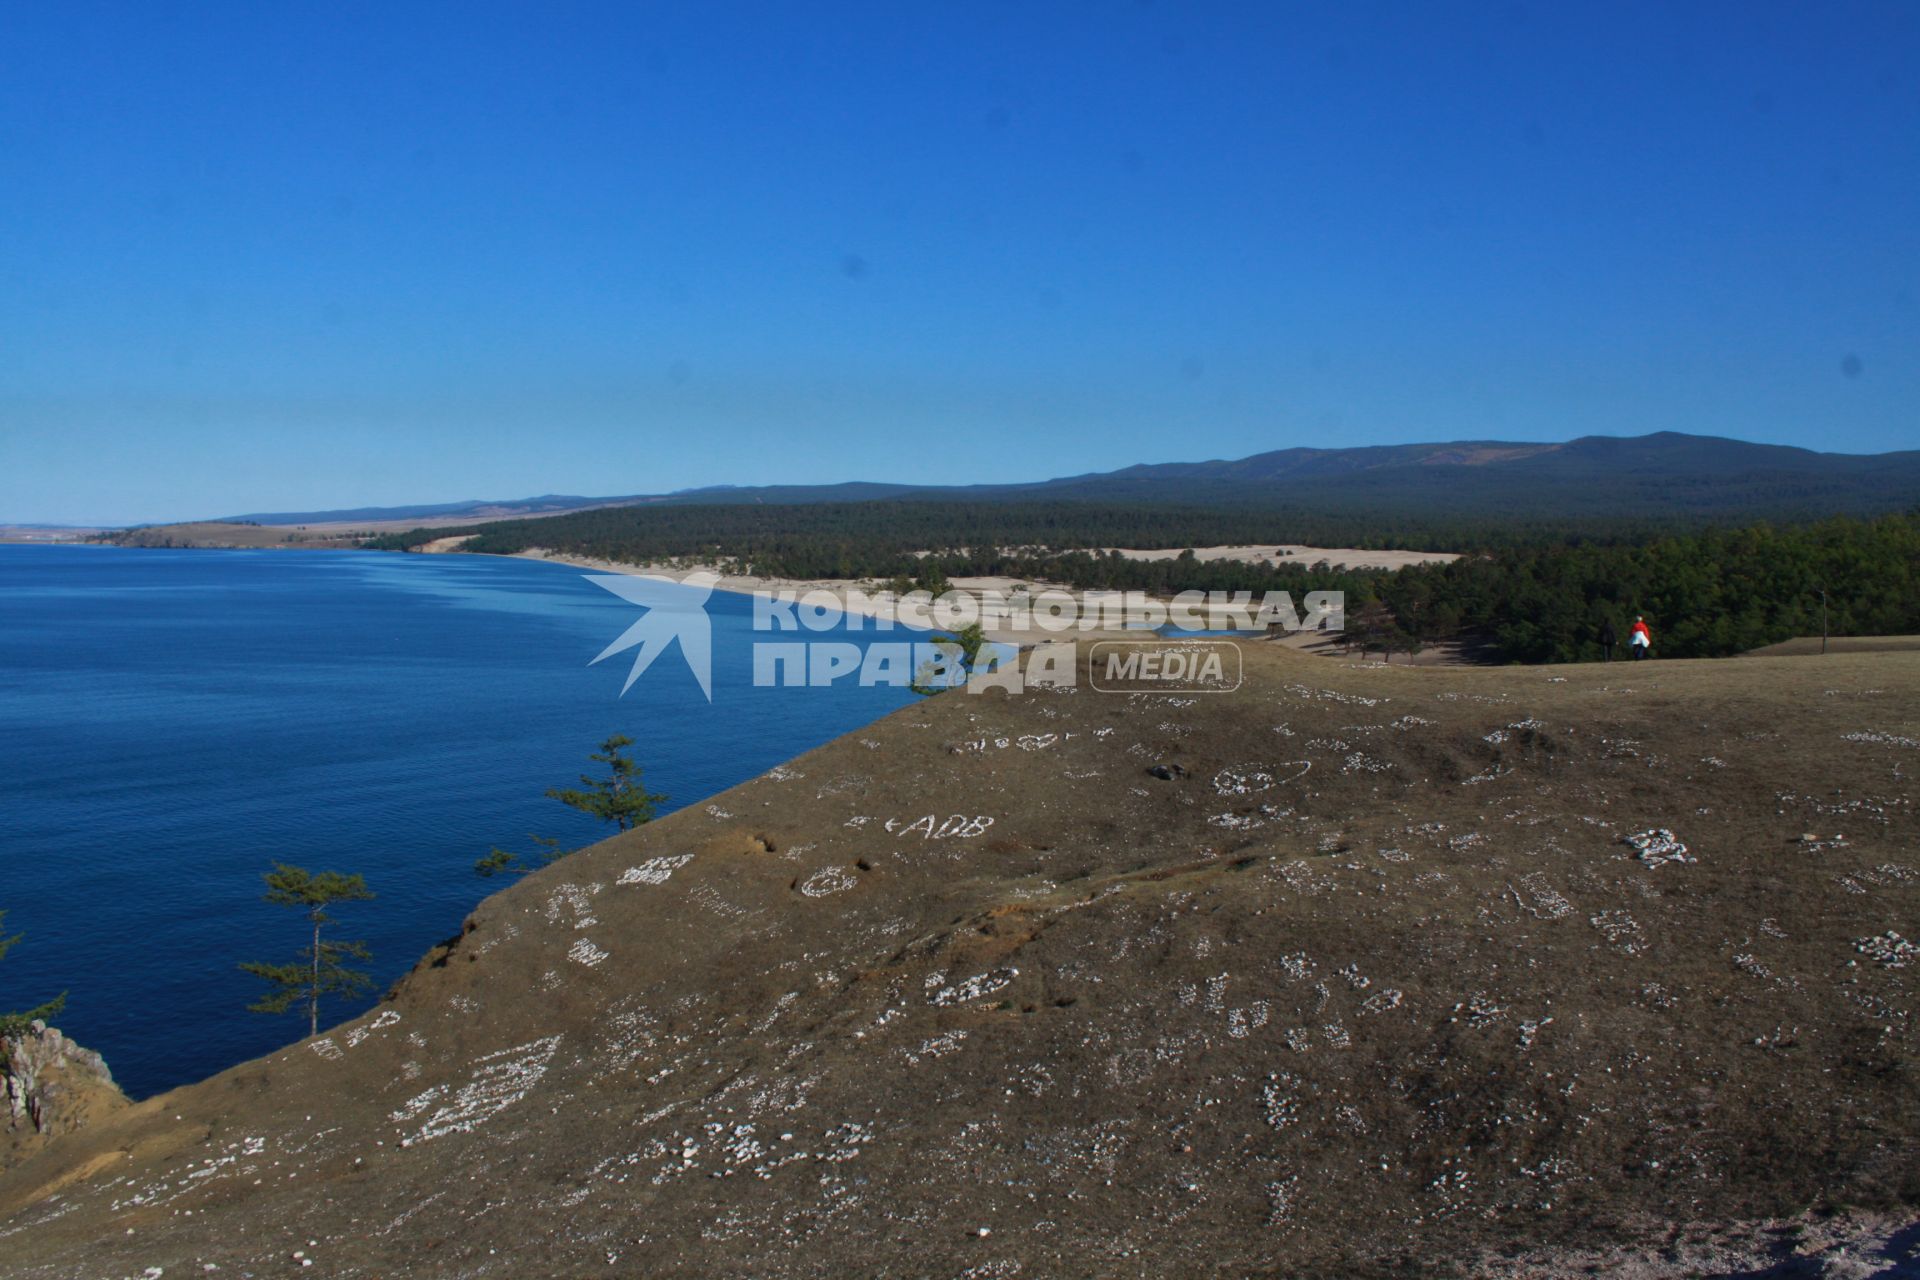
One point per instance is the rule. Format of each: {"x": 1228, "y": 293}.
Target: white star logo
{"x": 674, "y": 611}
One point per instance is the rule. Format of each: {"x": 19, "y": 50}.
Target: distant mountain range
{"x": 1667, "y": 473}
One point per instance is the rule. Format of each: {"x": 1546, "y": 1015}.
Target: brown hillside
{"x": 1370, "y": 983}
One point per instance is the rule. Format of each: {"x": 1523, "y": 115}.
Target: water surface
{"x": 172, "y": 722}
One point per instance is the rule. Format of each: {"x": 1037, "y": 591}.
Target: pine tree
{"x": 14, "y": 1023}
{"x": 619, "y": 797}
{"x": 932, "y": 579}
{"x": 320, "y": 971}
{"x": 966, "y": 643}
{"x": 502, "y": 861}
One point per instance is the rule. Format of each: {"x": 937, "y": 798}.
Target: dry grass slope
{"x": 1372, "y": 984}
{"x": 1804, "y": 646}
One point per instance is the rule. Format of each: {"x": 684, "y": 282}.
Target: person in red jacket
{"x": 1640, "y": 639}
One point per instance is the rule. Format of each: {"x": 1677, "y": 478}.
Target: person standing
{"x": 1640, "y": 638}
{"x": 1608, "y": 638}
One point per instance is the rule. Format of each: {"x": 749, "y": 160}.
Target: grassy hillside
{"x": 1349, "y": 972}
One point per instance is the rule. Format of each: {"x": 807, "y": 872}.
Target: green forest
{"x": 1521, "y": 592}
{"x": 876, "y": 538}
{"x": 1706, "y": 594}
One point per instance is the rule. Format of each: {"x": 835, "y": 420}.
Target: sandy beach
{"x": 850, "y": 595}
{"x": 856, "y": 596}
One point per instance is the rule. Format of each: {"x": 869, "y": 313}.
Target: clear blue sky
{"x": 281, "y": 256}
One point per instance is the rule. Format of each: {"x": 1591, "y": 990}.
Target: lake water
{"x": 173, "y": 722}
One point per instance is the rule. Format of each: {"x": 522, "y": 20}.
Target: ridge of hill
{"x": 1667, "y": 473}
{"x": 1353, "y": 971}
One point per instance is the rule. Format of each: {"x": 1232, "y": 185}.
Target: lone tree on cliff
{"x": 319, "y": 971}
{"x": 966, "y": 645}
{"x": 500, "y": 861}
{"x": 12, "y": 1024}
{"x": 619, "y": 798}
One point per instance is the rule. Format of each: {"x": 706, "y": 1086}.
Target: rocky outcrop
{"x": 52, "y": 1086}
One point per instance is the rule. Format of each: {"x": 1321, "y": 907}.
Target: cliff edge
{"x": 1356, "y": 970}
{"x": 52, "y": 1086}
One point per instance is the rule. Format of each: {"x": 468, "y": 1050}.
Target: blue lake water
{"x": 173, "y": 722}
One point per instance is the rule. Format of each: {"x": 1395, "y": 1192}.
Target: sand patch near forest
{"x": 853, "y": 596}
{"x": 1297, "y": 553}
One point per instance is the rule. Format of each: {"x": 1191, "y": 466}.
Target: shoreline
{"x": 1316, "y": 643}
{"x": 841, "y": 589}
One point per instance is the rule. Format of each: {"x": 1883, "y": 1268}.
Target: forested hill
{"x": 1535, "y": 596}
{"x": 1667, "y": 475}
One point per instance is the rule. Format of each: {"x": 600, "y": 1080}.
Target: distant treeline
{"x": 1527, "y": 592}
{"x": 880, "y": 538}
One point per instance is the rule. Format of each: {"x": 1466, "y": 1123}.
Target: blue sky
{"x": 261, "y": 257}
